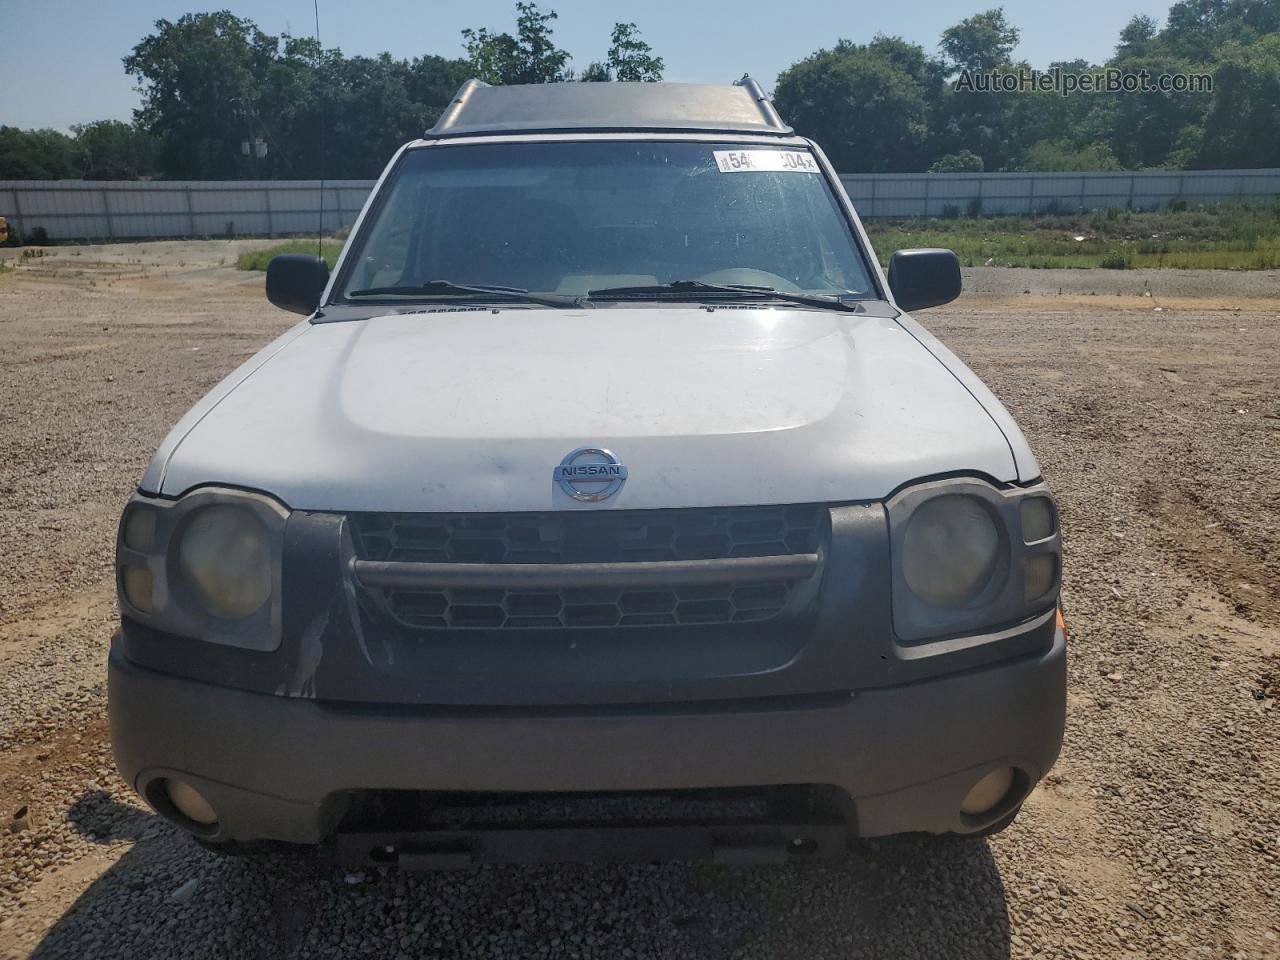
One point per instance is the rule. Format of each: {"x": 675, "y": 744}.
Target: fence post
{"x": 266, "y": 199}
{"x": 872, "y": 211}
{"x": 981, "y": 181}
{"x": 191, "y": 212}
{"x": 106, "y": 211}
{"x": 1082, "y": 185}
{"x": 17, "y": 213}
{"x": 1132, "y": 179}
{"x": 1181, "y": 177}
{"x": 925, "y": 212}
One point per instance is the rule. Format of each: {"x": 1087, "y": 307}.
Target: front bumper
{"x": 278, "y": 768}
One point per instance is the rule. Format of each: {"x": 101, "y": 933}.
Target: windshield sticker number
{"x": 765, "y": 161}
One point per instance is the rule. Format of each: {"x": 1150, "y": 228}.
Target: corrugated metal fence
{"x": 80, "y": 209}
{"x": 136, "y": 210}
{"x": 931, "y": 194}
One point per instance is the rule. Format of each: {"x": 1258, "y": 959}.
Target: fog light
{"x": 189, "y": 802}
{"x": 987, "y": 793}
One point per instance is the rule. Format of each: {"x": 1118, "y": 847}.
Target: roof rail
{"x": 480, "y": 109}
{"x": 450, "y": 115}
{"x": 762, "y": 98}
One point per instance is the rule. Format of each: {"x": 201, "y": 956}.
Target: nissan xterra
{"x": 607, "y": 504}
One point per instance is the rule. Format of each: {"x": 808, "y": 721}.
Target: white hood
{"x": 472, "y": 411}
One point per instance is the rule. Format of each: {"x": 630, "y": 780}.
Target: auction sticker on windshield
{"x": 768, "y": 161}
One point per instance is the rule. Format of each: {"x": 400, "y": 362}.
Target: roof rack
{"x": 481, "y": 109}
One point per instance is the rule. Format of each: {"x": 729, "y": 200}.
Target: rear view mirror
{"x": 296, "y": 281}
{"x": 924, "y": 278}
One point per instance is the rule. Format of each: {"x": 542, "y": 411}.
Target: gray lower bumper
{"x": 271, "y": 766}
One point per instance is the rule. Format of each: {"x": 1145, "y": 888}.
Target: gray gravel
{"x": 1242, "y": 286}
{"x": 1157, "y": 835}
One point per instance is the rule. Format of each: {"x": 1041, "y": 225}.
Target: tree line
{"x": 221, "y": 99}
{"x": 888, "y": 106}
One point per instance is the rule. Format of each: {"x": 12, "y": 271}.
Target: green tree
{"x": 1146, "y": 125}
{"x": 1062, "y": 155}
{"x": 1080, "y": 119}
{"x": 528, "y": 57}
{"x": 37, "y": 155}
{"x": 210, "y": 82}
{"x": 432, "y": 83}
{"x": 1242, "y": 128}
{"x": 1235, "y": 124}
{"x": 981, "y": 42}
{"x": 200, "y": 79}
{"x": 990, "y": 124}
{"x": 867, "y": 111}
{"x": 350, "y": 114}
{"x": 1201, "y": 30}
{"x": 1193, "y": 28}
{"x": 966, "y": 161}
{"x": 596, "y": 72}
{"x": 630, "y": 58}
{"x": 1137, "y": 36}
{"x": 112, "y": 150}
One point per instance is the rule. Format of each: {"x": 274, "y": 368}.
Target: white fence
{"x": 136, "y": 210}
{"x": 116, "y": 210}
{"x": 931, "y": 194}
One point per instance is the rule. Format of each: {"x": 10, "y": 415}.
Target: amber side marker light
{"x": 1062, "y": 623}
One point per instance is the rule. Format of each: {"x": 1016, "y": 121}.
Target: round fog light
{"x": 984, "y": 795}
{"x": 189, "y": 802}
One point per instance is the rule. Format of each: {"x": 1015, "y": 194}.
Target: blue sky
{"x": 62, "y": 57}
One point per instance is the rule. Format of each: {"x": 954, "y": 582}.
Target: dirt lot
{"x": 1153, "y": 403}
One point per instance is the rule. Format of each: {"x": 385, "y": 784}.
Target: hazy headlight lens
{"x": 225, "y": 557}
{"x": 950, "y": 550}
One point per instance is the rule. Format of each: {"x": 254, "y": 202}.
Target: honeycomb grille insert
{"x": 586, "y": 537}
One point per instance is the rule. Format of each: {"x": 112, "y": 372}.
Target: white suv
{"x": 607, "y": 505}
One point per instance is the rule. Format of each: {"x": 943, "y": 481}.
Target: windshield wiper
{"x": 681, "y": 288}
{"x": 432, "y": 287}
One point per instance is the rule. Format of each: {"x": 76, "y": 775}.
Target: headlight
{"x": 225, "y": 557}
{"x": 970, "y": 557}
{"x": 950, "y": 550}
{"x": 206, "y": 566}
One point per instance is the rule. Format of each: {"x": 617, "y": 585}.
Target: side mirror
{"x": 924, "y": 278}
{"x": 296, "y": 281}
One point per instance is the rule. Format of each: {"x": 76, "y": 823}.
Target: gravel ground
{"x": 1226, "y": 288}
{"x": 1156, "y": 420}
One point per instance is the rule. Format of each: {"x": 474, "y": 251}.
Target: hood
{"x": 473, "y": 410}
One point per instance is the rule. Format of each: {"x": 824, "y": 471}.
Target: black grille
{"x": 587, "y": 537}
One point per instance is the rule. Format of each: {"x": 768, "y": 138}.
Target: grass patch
{"x": 1229, "y": 237}
{"x": 258, "y": 259}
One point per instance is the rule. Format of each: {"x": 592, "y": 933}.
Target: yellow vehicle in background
{"x": 4, "y": 231}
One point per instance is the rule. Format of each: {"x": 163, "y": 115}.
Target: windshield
{"x": 571, "y": 217}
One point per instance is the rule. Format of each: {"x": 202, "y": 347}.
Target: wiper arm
{"x": 682, "y": 287}
{"x": 432, "y": 287}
